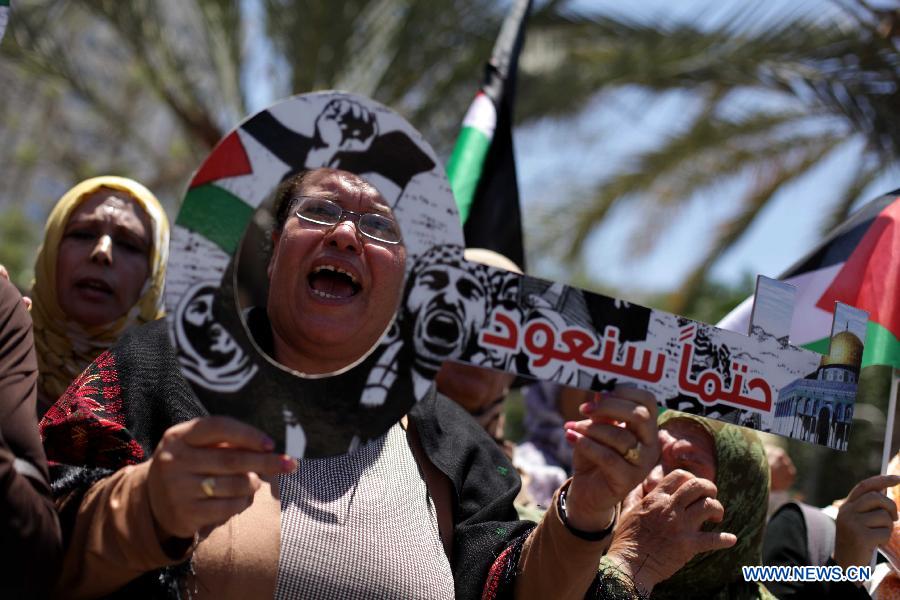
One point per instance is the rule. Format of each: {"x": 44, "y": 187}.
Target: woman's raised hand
{"x": 660, "y": 531}
{"x": 864, "y": 521}
{"x": 205, "y": 471}
{"x": 613, "y": 451}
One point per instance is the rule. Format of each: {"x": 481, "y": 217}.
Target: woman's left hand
{"x": 658, "y": 533}
{"x": 614, "y": 450}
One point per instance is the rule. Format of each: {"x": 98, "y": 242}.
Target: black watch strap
{"x": 589, "y": 536}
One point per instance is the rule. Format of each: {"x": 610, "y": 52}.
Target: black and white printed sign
{"x": 453, "y": 309}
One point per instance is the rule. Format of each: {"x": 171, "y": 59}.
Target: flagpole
{"x": 888, "y": 438}
{"x": 509, "y": 42}
{"x": 481, "y": 169}
{"x": 889, "y": 430}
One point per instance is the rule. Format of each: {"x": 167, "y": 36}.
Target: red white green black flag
{"x": 482, "y": 169}
{"x": 858, "y": 264}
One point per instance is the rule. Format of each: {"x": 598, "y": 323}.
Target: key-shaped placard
{"x": 225, "y": 319}
{"x": 550, "y": 331}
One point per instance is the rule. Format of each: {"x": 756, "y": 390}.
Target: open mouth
{"x": 443, "y": 333}
{"x": 94, "y": 285}
{"x": 331, "y": 282}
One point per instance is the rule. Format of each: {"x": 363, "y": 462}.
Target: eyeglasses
{"x": 325, "y": 212}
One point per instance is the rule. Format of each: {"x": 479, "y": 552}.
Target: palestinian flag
{"x": 482, "y": 168}
{"x": 858, "y": 264}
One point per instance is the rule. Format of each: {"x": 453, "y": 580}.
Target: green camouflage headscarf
{"x": 742, "y": 479}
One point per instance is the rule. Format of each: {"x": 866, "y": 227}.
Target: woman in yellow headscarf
{"x": 99, "y": 272}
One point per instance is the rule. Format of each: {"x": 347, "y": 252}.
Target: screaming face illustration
{"x": 446, "y": 306}
{"x": 208, "y": 354}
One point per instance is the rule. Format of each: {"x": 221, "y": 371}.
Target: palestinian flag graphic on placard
{"x": 858, "y": 264}
{"x": 482, "y": 168}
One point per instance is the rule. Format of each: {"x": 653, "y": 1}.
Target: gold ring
{"x": 633, "y": 454}
{"x": 208, "y": 486}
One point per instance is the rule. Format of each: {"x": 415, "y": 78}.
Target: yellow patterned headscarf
{"x": 64, "y": 347}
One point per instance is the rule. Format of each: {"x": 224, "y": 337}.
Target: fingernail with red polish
{"x": 570, "y": 425}
{"x": 288, "y": 464}
{"x": 572, "y": 436}
{"x": 586, "y": 408}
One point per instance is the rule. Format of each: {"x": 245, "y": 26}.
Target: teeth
{"x": 336, "y": 270}
{"x": 323, "y": 294}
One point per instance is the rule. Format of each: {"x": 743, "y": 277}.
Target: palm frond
{"x": 223, "y": 31}
{"x": 770, "y": 179}
{"x": 688, "y": 161}
{"x": 864, "y": 176}
{"x": 583, "y": 55}
{"x": 171, "y": 69}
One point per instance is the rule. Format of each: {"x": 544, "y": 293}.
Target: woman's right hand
{"x": 205, "y": 471}
{"x": 864, "y": 521}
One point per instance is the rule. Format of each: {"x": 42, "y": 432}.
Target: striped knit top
{"x": 361, "y": 525}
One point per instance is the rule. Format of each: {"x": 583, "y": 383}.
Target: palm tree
{"x": 148, "y": 87}
{"x": 145, "y": 88}
{"x": 827, "y": 83}
{"x": 142, "y": 89}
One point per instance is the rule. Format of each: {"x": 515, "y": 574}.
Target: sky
{"x": 606, "y": 135}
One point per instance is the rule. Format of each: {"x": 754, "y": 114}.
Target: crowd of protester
{"x": 147, "y": 495}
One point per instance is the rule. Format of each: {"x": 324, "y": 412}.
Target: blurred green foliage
{"x": 18, "y": 236}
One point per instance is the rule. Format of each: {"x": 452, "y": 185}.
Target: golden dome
{"x": 846, "y": 349}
